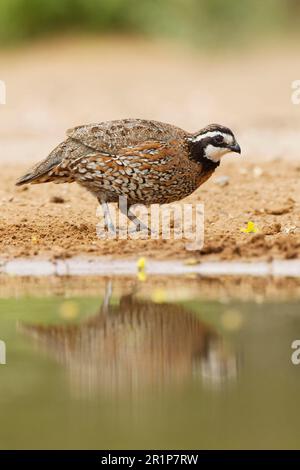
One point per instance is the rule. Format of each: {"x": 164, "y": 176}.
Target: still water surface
{"x": 129, "y": 372}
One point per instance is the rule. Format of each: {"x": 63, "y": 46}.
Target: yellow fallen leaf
{"x": 142, "y": 276}
{"x": 141, "y": 263}
{"x": 250, "y": 228}
{"x": 141, "y": 266}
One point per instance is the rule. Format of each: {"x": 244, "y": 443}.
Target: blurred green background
{"x": 201, "y": 22}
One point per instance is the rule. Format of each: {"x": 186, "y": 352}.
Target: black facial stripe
{"x": 197, "y": 153}
{"x": 211, "y": 141}
{"x": 219, "y": 144}
{"x": 206, "y": 141}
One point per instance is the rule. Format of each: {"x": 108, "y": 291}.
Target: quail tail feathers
{"x": 39, "y": 173}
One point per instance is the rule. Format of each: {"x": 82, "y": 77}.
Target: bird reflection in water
{"x": 135, "y": 346}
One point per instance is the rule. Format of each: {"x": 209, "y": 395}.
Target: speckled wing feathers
{"x": 136, "y": 158}
{"x": 143, "y": 173}
{"x": 112, "y": 136}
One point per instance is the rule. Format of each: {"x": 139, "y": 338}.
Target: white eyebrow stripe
{"x": 227, "y": 137}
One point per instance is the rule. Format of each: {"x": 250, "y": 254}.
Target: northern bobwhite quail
{"x": 148, "y": 162}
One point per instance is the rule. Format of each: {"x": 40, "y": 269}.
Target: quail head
{"x": 147, "y": 162}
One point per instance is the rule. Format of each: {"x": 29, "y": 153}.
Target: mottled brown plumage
{"x": 146, "y": 161}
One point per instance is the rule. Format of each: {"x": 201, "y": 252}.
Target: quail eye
{"x": 219, "y": 139}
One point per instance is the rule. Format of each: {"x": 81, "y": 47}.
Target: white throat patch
{"x": 215, "y": 153}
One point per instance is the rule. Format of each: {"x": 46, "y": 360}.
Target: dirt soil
{"x": 60, "y": 220}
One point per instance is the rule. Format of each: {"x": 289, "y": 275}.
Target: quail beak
{"x": 235, "y": 148}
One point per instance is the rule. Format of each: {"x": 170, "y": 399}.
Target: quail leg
{"x": 107, "y": 217}
{"x": 139, "y": 226}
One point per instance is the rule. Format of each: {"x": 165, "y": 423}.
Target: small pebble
{"x": 271, "y": 229}
{"x": 290, "y": 229}
{"x": 257, "y": 171}
{"x": 222, "y": 180}
{"x": 57, "y": 200}
{"x": 278, "y": 210}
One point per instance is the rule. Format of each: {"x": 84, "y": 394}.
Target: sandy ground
{"x": 53, "y": 86}
{"x": 60, "y": 221}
